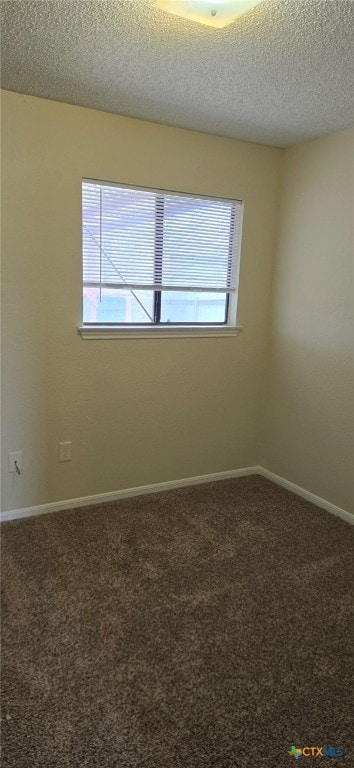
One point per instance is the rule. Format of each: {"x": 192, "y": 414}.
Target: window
{"x": 156, "y": 258}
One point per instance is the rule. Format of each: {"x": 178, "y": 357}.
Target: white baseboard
{"x": 101, "y": 498}
{"x": 317, "y": 500}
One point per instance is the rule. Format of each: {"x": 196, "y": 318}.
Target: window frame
{"x": 157, "y": 328}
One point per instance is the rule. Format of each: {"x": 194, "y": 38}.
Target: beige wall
{"x": 309, "y": 408}
{"x": 139, "y": 411}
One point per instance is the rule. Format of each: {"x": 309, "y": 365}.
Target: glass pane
{"x": 117, "y": 306}
{"x": 190, "y": 307}
{"x": 128, "y": 235}
{"x": 196, "y": 242}
{"x": 118, "y": 234}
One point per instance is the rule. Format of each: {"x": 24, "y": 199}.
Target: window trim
{"x": 168, "y": 331}
{"x": 157, "y": 329}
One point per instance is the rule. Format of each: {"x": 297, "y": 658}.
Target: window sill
{"x": 156, "y": 332}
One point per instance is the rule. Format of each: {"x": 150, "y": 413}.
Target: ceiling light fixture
{"x": 214, "y": 13}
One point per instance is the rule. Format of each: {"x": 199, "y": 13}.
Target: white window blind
{"x": 152, "y": 249}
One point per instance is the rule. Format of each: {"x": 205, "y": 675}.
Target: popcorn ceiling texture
{"x": 281, "y": 74}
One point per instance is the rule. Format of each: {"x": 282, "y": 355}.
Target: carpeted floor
{"x": 207, "y": 627}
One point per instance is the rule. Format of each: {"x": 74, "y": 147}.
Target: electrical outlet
{"x": 15, "y": 462}
{"x": 65, "y": 451}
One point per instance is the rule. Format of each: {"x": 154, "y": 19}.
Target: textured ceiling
{"x": 281, "y": 74}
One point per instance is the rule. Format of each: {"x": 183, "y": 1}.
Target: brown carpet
{"x": 207, "y": 627}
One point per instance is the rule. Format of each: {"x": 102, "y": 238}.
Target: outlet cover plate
{"x": 65, "y": 451}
